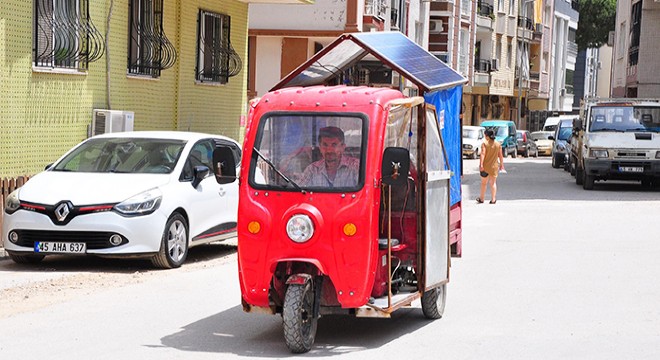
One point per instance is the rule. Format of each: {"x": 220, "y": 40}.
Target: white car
{"x": 147, "y": 194}
{"x": 473, "y": 137}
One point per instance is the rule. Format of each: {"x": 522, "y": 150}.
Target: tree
{"x": 597, "y": 18}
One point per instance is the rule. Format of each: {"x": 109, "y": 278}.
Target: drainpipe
{"x": 107, "y": 57}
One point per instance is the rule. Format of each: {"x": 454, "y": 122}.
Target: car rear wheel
{"x": 174, "y": 244}
{"x": 25, "y": 259}
{"x": 433, "y": 302}
{"x": 514, "y": 154}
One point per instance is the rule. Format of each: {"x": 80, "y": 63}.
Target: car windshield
{"x": 470, "y": 134}
{"x": 123, "y": 155}
{"x": 499, "y": 130}
{"x": 625, "y": 118}
{"x": 564, "y": 133}
{"x": 320, "y": 152}
{"x": 541, "y": 136}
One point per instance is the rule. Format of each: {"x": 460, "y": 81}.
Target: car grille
{"x": 630, "y": 154}
{"x": 93, "y": 239}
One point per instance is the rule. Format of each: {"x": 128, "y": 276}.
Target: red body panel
{"x": 349, "y": 261}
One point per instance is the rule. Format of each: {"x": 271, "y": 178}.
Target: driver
{"x": 335, "y": 169}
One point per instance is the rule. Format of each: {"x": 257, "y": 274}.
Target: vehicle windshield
{"x": 307, "y": 151}
{"x": 470, "y": 134}
{"x": 123, "y": 155}
{"x": 624, "y": 118}
{"x": 541, "y": 136}
{"x": 564, "y": 133}
{"x": 499, "y": 130}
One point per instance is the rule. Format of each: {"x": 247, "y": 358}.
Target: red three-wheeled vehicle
{"x": 343, "y": 206}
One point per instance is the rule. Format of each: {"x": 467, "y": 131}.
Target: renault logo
{"x": 62, "y": 211}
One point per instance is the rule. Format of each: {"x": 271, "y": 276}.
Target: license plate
{"x": 60, "y": 247}
{"x": 636, "y": 169}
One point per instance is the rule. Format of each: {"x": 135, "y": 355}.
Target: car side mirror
{"x": 395, "y": 166}
{"x": 224, "y": 165}
{"x": 200, "y": 172}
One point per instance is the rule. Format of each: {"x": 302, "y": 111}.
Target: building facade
{"x": 563, "y": 56}
{"x": 635, "y": 58}
{"x": 59, "y": 60}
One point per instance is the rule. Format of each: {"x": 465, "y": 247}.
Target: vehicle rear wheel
{"x": 298, "y": 317}
{"x": 174, "y": 244}
{"x": 25, "y": 259}
{"x": 588, "y": 182}
{"x": 555, "y": 164}
{"x": 433, "y": 302}
{"x": 514, "y": 154}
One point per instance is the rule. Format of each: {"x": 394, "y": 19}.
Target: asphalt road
{"x": 549, "y": 272}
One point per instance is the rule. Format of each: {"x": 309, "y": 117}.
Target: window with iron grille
{"x": 216, "y": 59}
{"x": 149, "y": 50}
{"x": 65, "y": 36}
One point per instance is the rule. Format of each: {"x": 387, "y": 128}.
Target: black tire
{"x": 298, "y": 317}
{"x": 588, "y": 182}
{"x": 526, "y": 154}
{"x": 514, "y": 154}
{"x": 25, "y": 259}
{"x": 579, "y": 173}
{"x": 174, "y": 244}
{"x": 433, "y": 302}
{"x": 554, "y": 162}
{"x": 572, "y": 166}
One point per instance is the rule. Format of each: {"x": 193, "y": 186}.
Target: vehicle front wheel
{"x": 526, "y": 154}
{"x": 588, "y": 182}
{"x": 433, "y": 302}
{"x": 298, "y": 317}
{"x": 514, "y": 154}
{"x": 25, "y": 259}
{"x": 579, "y": 173}
{"x": 555, "y": 164}
{"x": 174, "y": 244}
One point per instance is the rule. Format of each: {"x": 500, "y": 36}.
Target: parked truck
{"x": 617, "y": 139}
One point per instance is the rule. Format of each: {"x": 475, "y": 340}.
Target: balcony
{"x": 485, "y": 16}
{"x": 534, "y": 80}
{"x": 525, "y": 23}
{"x": 374, "y": 14}
{"x": 571, "y": 49}
{"x": 482, "y": 66}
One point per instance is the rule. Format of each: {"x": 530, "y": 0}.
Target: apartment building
{"x": 281, "y": 37}
{"x": 563, "y": 56}
{"x": 636, "y": 55}
{"x": 175, "y": 65}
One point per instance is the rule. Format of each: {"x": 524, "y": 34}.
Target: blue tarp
{"x": 450, "y": 101}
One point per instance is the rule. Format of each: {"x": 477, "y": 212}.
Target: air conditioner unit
{"x": 109, "y": 121}
{"x": 539, "y": 28}
{"x": 495, "y": 64}
{"x": 435, "y": 26}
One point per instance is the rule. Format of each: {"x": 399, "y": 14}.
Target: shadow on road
{"x": 235, "y": 332}
{"x": 94, "y": 264}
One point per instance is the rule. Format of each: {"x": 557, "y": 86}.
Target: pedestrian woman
{"x": 491, "y": 162}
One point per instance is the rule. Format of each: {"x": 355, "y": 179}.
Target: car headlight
{"x": 141, "y": 204}
{"x": 598, "y": 153}
{"x": 467, "y": 146}
{"x": 300, "y": 228}
{"x": 12, "y": 203}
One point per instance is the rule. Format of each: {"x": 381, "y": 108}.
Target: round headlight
{"x": 300, "y": 228}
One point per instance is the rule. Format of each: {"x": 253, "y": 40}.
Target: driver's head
{"x": 331, "y": 143}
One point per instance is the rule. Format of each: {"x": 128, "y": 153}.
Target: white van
{"x": 552, "y": 121}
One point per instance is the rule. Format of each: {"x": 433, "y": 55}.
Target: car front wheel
{"x": 174, "y": 244}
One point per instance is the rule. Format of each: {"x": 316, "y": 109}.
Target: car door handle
{"x": 221, "y": 191}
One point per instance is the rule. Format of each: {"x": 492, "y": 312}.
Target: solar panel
{"x": 392, "y": 48}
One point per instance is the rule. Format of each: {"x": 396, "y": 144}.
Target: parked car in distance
{"x": 131, "y": 194}
{"x": 551, "y": 122}
{"x": 560, "y": 150}
{"x": 526, "y": 145}
{"x": 544, "y": 142}
{"x": 473, "y": 137}
{"x": 505, "y": 134}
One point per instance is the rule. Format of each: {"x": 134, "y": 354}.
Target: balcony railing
{"x": 525, "y": 23}
{"x": 482, "y": 66}
{"x": 633, "y": 55}
{"x": 376, "y": 8}
{"x": 485, "y": 9}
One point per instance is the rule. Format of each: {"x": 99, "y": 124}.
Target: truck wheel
{"x": 433, "y": 302}
{"x": 298, "y": 317}
{"x": 588, "y": 182}
{"x": 578, "y": 175}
